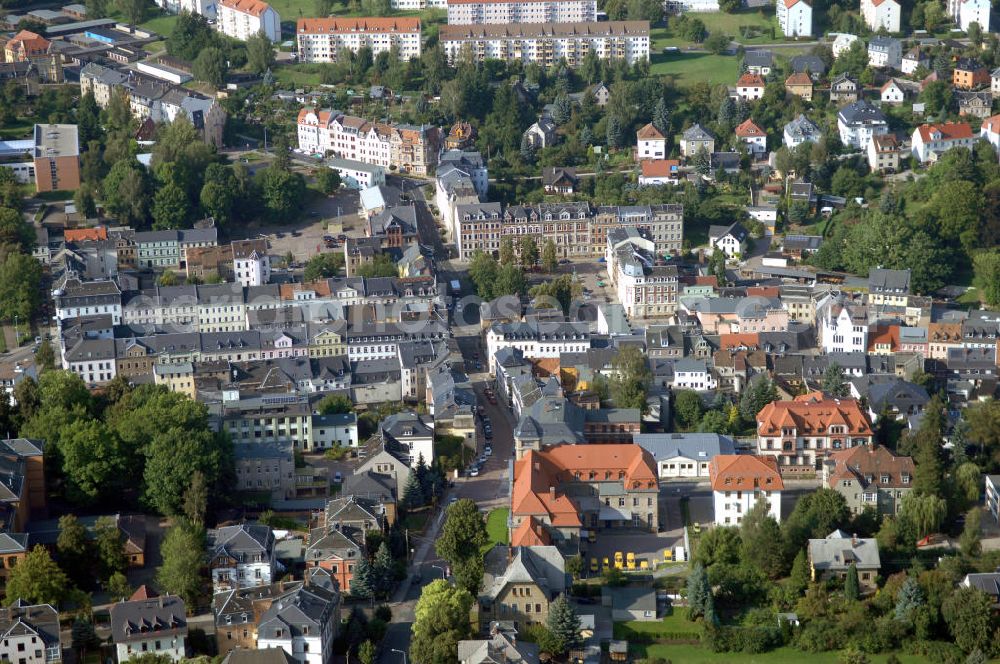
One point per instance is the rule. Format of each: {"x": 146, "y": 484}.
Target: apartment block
{"x": 322, "y": 39}
{"x": 242, "y": 19}
{"x": 504, "y": 12}
{"x": 56, "y": 157}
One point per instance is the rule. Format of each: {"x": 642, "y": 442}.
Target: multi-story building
{"x": 879, "y": 14}
{"x": 56, "y": 157}
{"x": 696, "y": 138}
{"x": 992, "y": 493}
{"x": 750, "y": 87}
{"x": 885, "y": 52}
{"x": 25, "y": 46}
{"x": 801, "y": 433}
{"x": 74, "y": 298}
{"x": 650, "y": 143}
{"x": 407, "y": 148}
{"x": 883, "y": 153}
{"x": 858, "y": 122}
{"x": 29, "y": 633}
{"x": 967, "y": 12}
{"x": 520, "y": 584}
{"x": 166, "y": 249}
{"x": 889, "y": 288}
{"x": 645, "y": 289}
{"x": 303, "y": 623}
{"x": 241, "y": 556}
{"x": 537, "y": 339}
{"x": 870, "y": 477}
{"x": 242, "y": 19}
{"x": 569, "y": 488}
{"x": 842, "y": 327}
{"x": 206, "y": 8}
{"x": 151, "y": 625}
{"x": 265, "y": 467}
{"x": 739, "y": 482}
{"x": 548, "y": 43}
{"x": 932, "y": 140}
{"x": 969, "y": 74}
{"x": 752, "y": 136}
{"x": 322, "y": 39}
{"x": 801, "y": 130}
{"x": 506, "y": 12}
{"x": 795, "y": 18}
{"x": 251, "y": 263}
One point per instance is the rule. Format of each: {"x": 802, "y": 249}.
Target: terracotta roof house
{"x": 659, "y": 171}
{"x": 739, "y": 481}
{"x": 869, "y": 477}
{"x": 550, "y": 485}
{"x": 802, "y": 432}
{"x": 24, "y": 46}
{"x": 800, "y": 84}
{"x": 750, "y": 86}
{"x": 650, "y": 143}
{"x": 753, "y": 136}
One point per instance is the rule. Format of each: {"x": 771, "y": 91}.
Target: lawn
{"x": 690, "y": 68}
{"x": 496, "y": 526}
{"x": 691, "y": 654}
{"x": 970, "y": 297}
{"x": 759, "y": 25}
{"x": 297, "y": 76}
{"x": 675, "y": 624}
{"x": 161, "y": 25}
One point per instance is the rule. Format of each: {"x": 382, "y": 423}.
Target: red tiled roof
{"x": 744, "y": 340}
{"x": 29, "y": 40}
{"x": 950, "y": 131}
{"x": 85, "y": 234}
{"x": 813, "y": 414}
{"x": 992, "y": 124}
{"x": 649, "y": 133}
{"x": 743, "y": 472}
{"x": 749, "y": 80}
{"x": 658, "y": 168}
{"x": 369, "y": 24}
{"x": 749, "y": 129}
{"x": 860, "y": 463}
{"x": 252, "y": 7}
{"x": 530, "y": 533}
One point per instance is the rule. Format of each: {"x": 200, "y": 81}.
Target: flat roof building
{"x": 56, "y": 157}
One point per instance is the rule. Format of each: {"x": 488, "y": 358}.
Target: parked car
{"x": 488, "y": 450}
{"x": 474, "y": 472}
{"x": 338, "y": 477}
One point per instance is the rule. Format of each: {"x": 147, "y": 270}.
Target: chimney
{"x": 552, "y": 492}
{"x": 854, "y": 540}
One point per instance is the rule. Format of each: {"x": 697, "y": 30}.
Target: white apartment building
{"x": 303, "y": 624}
{"x": 967, "y": 12}
{"x": 858, "y": 122}
{"x": 645, "y": 290}
{"x": 739, "y": 482}
{"x": 155, "y": 626}
{"x": 29, "y": 634}
{"x": 795, "y": 17}
{"x": 690, "y": 374}
{"x": 505, "y": 12}
{"x": 990, "y": 130}
{"x": 650, "y": 143}
{"x": 843, "y": 328}
{"x": 356, "y": 174}
{"x": 932, "y": 140}
{"x": 241, "y": 19}
{"x": 241, "y": 556}
{"x": 548, "y": 43}
{"x": 879, "y": 14}
{"x": 321, "y": 39}
{"x": 842, "y": 42}
{"x": 411, "y": 149}
{"x": 251, "y": 265}
{"x": 417, "y": 5}
{"x": 206, "y": 8}
{"x": 537, "y": 339}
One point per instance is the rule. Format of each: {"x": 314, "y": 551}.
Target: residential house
{"x": 684, "y": 455}
{"x": 241, "y": 556}
{"x": 154, "y": 626}
{"x": 755, "y": 138}
{"x": 930, "y": 141}
{"x": 878, "y": 14}
{"x": 802, "y": 432}
{"x": 303, "y": 623}
{"x": 844, "y": 90}
{"x": 693, "y": 374}
{"x": 732, "y": 240}
{"x": 842, "y": 42}
{"x": 500, "y": 646}
{"x": 795, "y": 18}
{"x": 542, "y": 133}
{"x": 832, "y": 556}
{"x": 888, "y": 287}
{"x": 739, "y": 482}
{"x": 265, "y": 467}
{"x": 338, "y": 542}
{"x": 992, "y": 496}
{"x": 30, "y": 633}
{"x": 520, "y": 583}
{"x": 650, "y": 143}
{"x": 801, "y": 130}
{"x": 411, "y": 433}
{"x": 883, "y": 153}
{"x": 885, "y": 52}
{"x": 800, "y": 84}
{"x": 322, "y": 39}
{"x": 870, "y": 477}
{"x": 630, "y": 603}
{"x": 913, "y": 60}
{"x": 758, "y": 62}
{"x": 842, "y": 326}
{"x": 892, "y": 93}
{"x": 808, "y": 64}
{"x": 990, "y": 130}
{"x": 969, "y": 74}
{"x": 986, "y": 582}
{"x": 995, "y": 82}
{"x": 750, "y": 87}
{"x": 659, "y": 171}
{"x": 859, "y": 121}
{"x": 242, "y": 19}
{"x": 559, "y": 180}
{"x": 695, "y": 138}
{"x": 390, "y": 464}
{"x": 978, "y": 104}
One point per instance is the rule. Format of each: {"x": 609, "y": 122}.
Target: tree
{"x": 760, "y": 392}
{"x": 328, "y": 180}
{"x": 614, "y": 132}
{"x": 661, "y": 116}
{"x": 970, "y": 619}
{"x": 559, "y": 292}
{"x": 126, "y": 192}
{"x": 687, "y": 408}
{"x": 74, "y": 548}
{"x": 171, "y": 208}
{"x": 564, "y": 624}
{"x": 84, "y": 636}
{"x": 463, "y": 534}
{"x": 382, "y": 265}
{"x": 196, "y": 499}
{"x": 717, "y": 266}
{"x": 108, "y": 543}
{"x": 134, "y": 10}
{"x": 834, "y": 383}
{"x": 384, "y": 570}
{"x": 761, "y": 538}
{"x": 631, "y": 379}
{"x": 180, "y": 573}
{"x": 909, "y": 599}
{"x": 699, "y": 593}
{"x": 986, "y": 265}
{"x": 483, "y": 272}
{"x": 366, "y": 652}
{"x": 550, "y": 260}
{"x": 93, "y": 461}
{"x": 15, "y": 231}
{"x": 118, "y": 587}
{"x": 852, "y": 655}
{"x": 335, "y": 404}
{"x": 441, "y": 620}
{"x": 925, "y": 512}
{"x": 509, "y": 281}
{"x": 816, "y": 515}
{"x": 37, "y": 579}
{"x": 413, "y": 493}
{"x": 852, "y": 589}
{"x": 970, "y": 539}
{"x": 528, "y": 249}
{"x": 260, "y": 53}
{"x": 323, "y": 266}
{"x": 717, "y": 43}
{"x": 85, "y": 203}
{"x": 799, "y": 578}
{"x": 702, "y": 161}
{"x": 20, "y": 279}
{"x": 281, "y": 192}
{"x": 507, "y": 255}
{"x": 719, "y": 546}
{"x": 219, "y": 193}
{"x": 210, "y": 67}
{"x": 468, "y": 574}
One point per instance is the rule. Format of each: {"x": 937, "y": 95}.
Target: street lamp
{"x": 443, "y": 575}
{"x": 401, "y": 652}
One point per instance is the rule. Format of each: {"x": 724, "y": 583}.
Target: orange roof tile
{"x": 30, "y": 41}
{"x": 884, "y": 335}
{"x": 799, "y": 77}
{"x": 744, "y": 472}
{"x": 944, "y": 332}
{"x": 85, "y": 234}
{"x": 763, "y": 291}
{"x": 530, "y": 533}
{"x": 748, "y": 129}
{"x": 251, "y": 7}
{"x": 949, "y": 131}
{"x": 367, "y": 24}
{"x": 707, "y": 280}
{"x": 649, "y": 133}
{"x": 869, "y": 465}
{"x": 321, "y": 287}
{"x": 744, "y": 340}
{"x": 812, "y": 414}
{"x": 749, "y": 80}
{"x": 659, "y": 168}
{"x": 992, "y": 124}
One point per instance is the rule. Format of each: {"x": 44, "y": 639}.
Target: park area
{"x": 690, "y": 68}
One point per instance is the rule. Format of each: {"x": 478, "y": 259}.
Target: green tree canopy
{"x": 182, "y": 552}
{"x": 441, "y": 621}
{"x": 37, "y": 579}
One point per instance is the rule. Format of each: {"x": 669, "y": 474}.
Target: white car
{"x": 474, "y": 472}
{"x": 488, "y": 451}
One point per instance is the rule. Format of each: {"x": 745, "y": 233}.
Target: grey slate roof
{"x": 665, "y": 446}
{"x": 698, "y": 133}
{"x": 542, "y": 565}
{"x": 838, "y": 550}
{"x": 304, "y": 610}
{"x": 861, "y": 112}
{"x": 259, "y": 656}
{"x": 242, "y": 541}
{"x": 137, "y": 620}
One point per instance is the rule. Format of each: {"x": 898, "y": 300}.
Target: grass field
{"x": 761, "y": 26}
{"x": 296, "y": 76}
{"x": 691, "y": 654}
{"x": 161, "y": 25}
{"x": 689, "y": 68}
{"x": 496, "y": 526}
